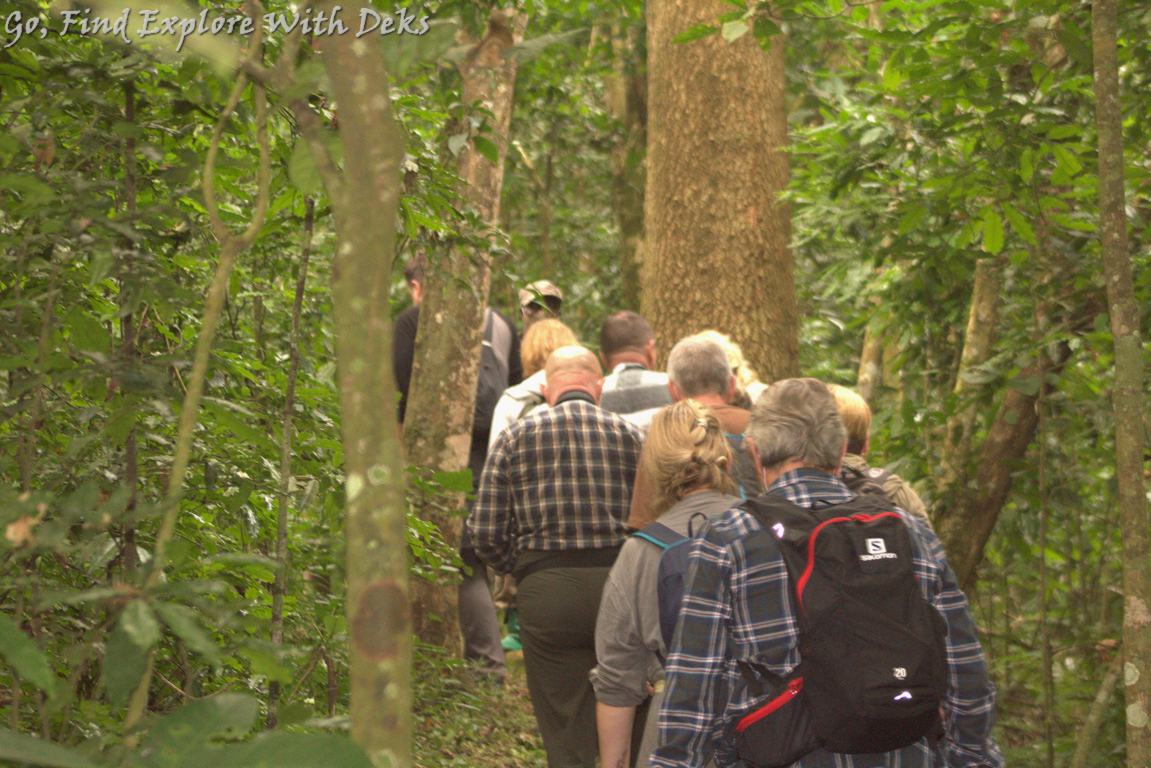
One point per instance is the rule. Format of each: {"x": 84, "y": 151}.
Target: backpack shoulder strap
{"x": 497, "y": 336}
{"x": 659, "y": 534}
{"x": 789, "y": 521}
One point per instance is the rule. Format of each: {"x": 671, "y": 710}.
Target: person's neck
{"x": 575, "y": 393}
{"x": 710, "y": 399}
{"x": 627, "y": 356}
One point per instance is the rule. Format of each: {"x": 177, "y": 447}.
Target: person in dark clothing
{"x": 478, "y": 621}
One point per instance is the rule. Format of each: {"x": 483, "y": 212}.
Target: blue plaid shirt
{"x": 738, "y": 607}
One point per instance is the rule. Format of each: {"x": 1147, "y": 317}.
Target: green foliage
{"x": 930, "y": 136}
{"x": 104, "y": 259}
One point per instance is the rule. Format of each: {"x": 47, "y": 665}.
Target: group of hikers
{"x": 702, "y": 569}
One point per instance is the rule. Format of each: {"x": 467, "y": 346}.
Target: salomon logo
{"x": 877, "y": 550}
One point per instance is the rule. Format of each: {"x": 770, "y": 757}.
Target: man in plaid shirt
{"x": 552, "y": 502}
{"x": 738, "y": 606}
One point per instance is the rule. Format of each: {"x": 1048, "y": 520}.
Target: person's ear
{"x": 730, "y": 390}
{"x": 754, "y": 453}
{"x": 603, "y": 359}
{"x": 649, "y": 350}
{"x": 416, "y": 290}
{"x": 674, "y": 391}
{"x": 598, "y": 389}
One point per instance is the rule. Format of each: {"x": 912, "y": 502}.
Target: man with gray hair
{"x": 737, "y": 612}
{"x": 698, "y": 369}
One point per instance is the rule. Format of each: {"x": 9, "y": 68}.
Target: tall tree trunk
{"x": 977, "y": 341}
{"x": 364, "y": 204}
{"x": 438, "y": 427}
{"x": 1127, "y": 396}
{"x": 716, "y": 234}
{"x": 626, "y": 96}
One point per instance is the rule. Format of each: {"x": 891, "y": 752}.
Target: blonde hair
{"x": 856, "y": 416}
{"x": 685, "y": 451}
{"x": 540, "y": 340}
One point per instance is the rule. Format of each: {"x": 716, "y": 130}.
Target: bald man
{"x": 551, "y": 510}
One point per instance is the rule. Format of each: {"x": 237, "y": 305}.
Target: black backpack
{"x": 494, "y": 366}
{"x": 869, "y": 482}
{"x": 873, "y": 659}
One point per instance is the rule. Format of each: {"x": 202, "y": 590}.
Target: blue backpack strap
{"x": 659, "y": 534}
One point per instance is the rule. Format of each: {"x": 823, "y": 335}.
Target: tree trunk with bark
{"x": 965, "y": 517}
{"x": 364, "y": 203}
{"x": 441, "y": 397}
{"x": 626, "y": 95}
{"x": 977, "y": 346}
{"x": 1127, "y": 396}
{"x": 716, "y": 249}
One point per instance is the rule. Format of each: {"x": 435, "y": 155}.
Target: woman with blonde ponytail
{"x": 687, "y": 457}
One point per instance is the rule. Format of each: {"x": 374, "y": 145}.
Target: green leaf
{"x": 34, "y": 191}
{"x": 487, "y": 148}
{"x": 1026, "y": 165}
{"x": 123, "y": 666}
{"x": 266, "y": 664}
{"x": 764, "y": 30}
{"x": 20, "y": 748}
{"x": 915, "y": 216}
{"x": 460, "y": 482}
{"x": 184, "y": 624}
{"x": 87, "y": 333}
{"x": 302, "y": 170}
{"x": 181, "y": 738}
{"x": 25, "y": 657}
{"x": 733, "y": 30}
{"x": 1066, "y": 160}
{"x": 695, "y": 33}
{"x": 992, "y": 231}
{"x": 1018, "y": 222}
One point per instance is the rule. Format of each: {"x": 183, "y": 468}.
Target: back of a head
{"x": 698, "y": 365}
{"x": 571, "y": 368}
{"x": 624, "y": 331}
{"x": 744, "y": 374}
{"x": 685, "y": 451}
{"x": 797, "y": 419}
{"x": 540, "y": 340}
{"x": 856, "y": 416}
{"x": 414, "y": 271}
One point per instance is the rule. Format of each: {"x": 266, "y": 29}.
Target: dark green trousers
{"x": 558, "y": 608}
